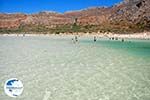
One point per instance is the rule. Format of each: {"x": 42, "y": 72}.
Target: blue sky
{"x": 34, "y": 6}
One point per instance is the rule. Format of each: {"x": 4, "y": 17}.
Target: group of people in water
{"x": 116, "y": 38}
{"x": 75, "y": 39}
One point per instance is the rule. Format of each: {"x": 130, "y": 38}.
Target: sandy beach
{"x": 145, "y": 35}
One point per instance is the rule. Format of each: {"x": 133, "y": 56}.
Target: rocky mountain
{"x": 11, "y": 20}
{"x": 127, "y": 15}
{"x": 132, "y": 11}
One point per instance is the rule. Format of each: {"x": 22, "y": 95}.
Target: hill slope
{"x": 127, "y": 16}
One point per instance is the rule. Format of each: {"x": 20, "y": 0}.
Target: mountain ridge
{"x": 127, "y": 16}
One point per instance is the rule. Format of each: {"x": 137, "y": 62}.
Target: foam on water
{"x": 54, "y": 68}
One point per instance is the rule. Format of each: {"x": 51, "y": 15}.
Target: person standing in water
{"x": 76, "y": 38}
{"x": 23, "y": 34}
{"x": 73, "y": 41}
{"x": 122, "y": 40}
{"x": 94, "y": 38}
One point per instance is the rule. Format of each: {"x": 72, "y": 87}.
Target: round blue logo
{"x": 13, "y": 87}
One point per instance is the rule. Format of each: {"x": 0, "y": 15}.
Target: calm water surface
{"x": 105, "y": 70}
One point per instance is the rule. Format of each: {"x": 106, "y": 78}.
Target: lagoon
{"x": 101, "y": 70}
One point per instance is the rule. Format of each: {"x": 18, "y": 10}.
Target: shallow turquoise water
{"x": 104, "y": 70}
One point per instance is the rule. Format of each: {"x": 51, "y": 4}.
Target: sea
{"x": 58, "y": 68}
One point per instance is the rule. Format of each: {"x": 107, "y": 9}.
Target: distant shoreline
{"x": 144, "y": 35}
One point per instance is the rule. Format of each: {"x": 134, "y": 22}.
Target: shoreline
{"x": 144, "y": 35}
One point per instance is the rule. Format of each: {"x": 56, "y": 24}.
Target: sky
{"x": 61, "y": 6}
